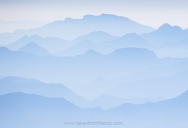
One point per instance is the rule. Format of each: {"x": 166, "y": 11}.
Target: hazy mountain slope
{"x": 32, "y": 86}
{"x": 79, "y": 72}
{"x": 168, "y": 113}
{"x": 36, "y": 111}
{"x": 33, "y": 48}
{"x": 97, "y": 37}
{"x": 51, "y": 44}
{"x": 70, "y": 29}
{"x": 90, "y": 23}
{"x": 126, "y": 41}
{"x": 165, "y": 33}
{"x": 79, "y": 48}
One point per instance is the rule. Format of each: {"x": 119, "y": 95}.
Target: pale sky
{"x": 148, "y": 12}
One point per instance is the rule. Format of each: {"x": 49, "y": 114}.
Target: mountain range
{"x": 68, "y": 29}
{"x": 126, "y": 67}
{"x": 165, "y": 33}
{"x": 96, "y": 37}
{"x": 37, "y": 111}
{"x": 33, "y": 48}
{"x": 51, "y": 44}
{"x": 167, "y": 41}
{"x": 32, "y": 86}
{"x": 105, "y": 69}
{"x": 110, "y": 45}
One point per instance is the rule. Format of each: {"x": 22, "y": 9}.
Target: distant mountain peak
{"x": 69, "y": 28}
{"x": 105, "y": 17}
{"x": 130, "y": 35}
{"x": 96, "y": 36}
{"x": 91, "y": 52}
{"x": 135, "y": 52}
{"x": 31, "y": 45}
{"x": 97, "y": 32}
{"x": 27, "y": 37}
{"x": 113, "y": 16}
{"x": 35, "y": 49}
{"x": 167, "y": 26}
{"x": 58, "y": 22}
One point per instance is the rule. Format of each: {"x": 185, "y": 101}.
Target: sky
{"x": 147, "y": 12}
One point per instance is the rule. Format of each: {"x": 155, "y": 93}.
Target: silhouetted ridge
{"x": 96, "y": 36}
{"x": 168, "y": 27}
{"x": 35, "y": 49}
{"x": 35, "y": 101}
{"x": 91, "y": 53}
{"x": 133, "y": 52}
{"x": 105, "y": 17}
{"x": 4, "y": 49}
{"x": 11, "y": 79}
{"x": 131, "y": 36}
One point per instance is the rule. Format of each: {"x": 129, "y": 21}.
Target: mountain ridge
{"x": 68, "y": 29}
{"x": 35, "y": 49}
{"x": 12, "y": 84}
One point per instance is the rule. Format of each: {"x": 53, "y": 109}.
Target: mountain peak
{"x": 91, "y": 52}
{"x": 105, "y": 17}
{"x": 112, "y": 16}
{"x": 96, "y": 36}
{"x": 32, "y": 44}
{"x": 130, "y": 35}
{"x": 167, "y": 26}
{"x": 33, "y": 48}
{"x": 137, "y": 52}
{"x": 26, "y": 37}
{"x": 98, "y": 33}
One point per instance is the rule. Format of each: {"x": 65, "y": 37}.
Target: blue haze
{"x": 98, "y": 68}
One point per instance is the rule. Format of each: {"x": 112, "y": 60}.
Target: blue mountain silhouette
{"x": 126, "y": 41}
{"x": 55, "y": 111}
{"x": 97, "y": 36}
{"x": 126, "y": 65}
{"x": 33, "y": 48}
{"x": 73, "y": 28}
{"x": 32, "y": 86}
{"x": 165, "y": 33}
{"x": 51, "y": 44}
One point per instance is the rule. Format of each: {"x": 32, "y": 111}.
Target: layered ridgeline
{"x": 32, "y": 86}
{"x": 98, "y": 68}
{"x": 119, "y": 73}
{"x": 33, "y": 48}
{"x": 37, "y": 111}
{"x": 167, "y": 41}
{"x": 51, "y": 44}
{"x": 72, "y": 28}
